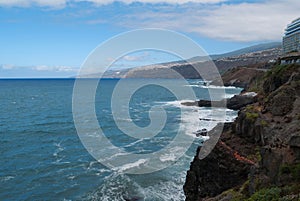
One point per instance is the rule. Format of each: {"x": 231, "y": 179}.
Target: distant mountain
{"x": 251, "y": 49}
{"x": 260, "y": 55}
{"x": 250, "y": 56}
{"x": 254, "y": 48}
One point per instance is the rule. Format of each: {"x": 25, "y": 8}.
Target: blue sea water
{"x": 44, "y": 159}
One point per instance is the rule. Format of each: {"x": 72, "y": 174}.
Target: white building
{"x": 291, "y": 39}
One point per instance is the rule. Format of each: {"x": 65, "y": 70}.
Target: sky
{"x": 52, "y": 38}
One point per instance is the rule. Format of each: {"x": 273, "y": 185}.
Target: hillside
{"x": 258, "y": 156}
{"x": 257, "y": 58}
{"x": 254, "y": 48}
{"x": 257, "y": 55}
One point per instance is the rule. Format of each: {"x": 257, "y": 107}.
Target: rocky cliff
{"x": 258, "y": 156}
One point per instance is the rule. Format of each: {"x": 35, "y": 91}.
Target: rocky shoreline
{"x": 258, "y": 156}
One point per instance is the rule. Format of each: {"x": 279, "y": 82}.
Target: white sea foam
{"x": 59, "y": 148}
{"x": 196, "y": 118}
{"x": 135, "y": 142}
{"x": 117, "y": 187}
{"x": 72, "y": 177}
{"x": 250, "y": 94}
{"x": 178, "y": 103}
{"x": 131, "y": 165}
{"x": 171, "y": 156}
{"x": 124, "y": 119}
{"x": 192, "y": 85}
{"x": 170, "y": 190}
{"x": 115, "y": 155}
{"x": 218, "y": 87}
{"x": 229, "y": 95}
{"x": 190, "y": 118}
{"x": 205, "y": 138}
{"x": 7, "y": 178}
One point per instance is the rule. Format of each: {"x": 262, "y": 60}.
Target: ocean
{"x": 43, "y": 157}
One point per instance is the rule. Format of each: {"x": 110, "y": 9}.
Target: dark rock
{"x": 272, "y": 159}
{"x": 288, "y": 119}
{"x": 295, "y": 141}
{"x": 273, "y": 83}
{"x": 239, "y": 101}
{"x": 280, "y": 102}
{"x": 280, "y": 76}
{"x": 234, "y": 103}
{"x": 295, "y": 146}
{"x": 205, "y": 119}
{"x": 249, "y": 128}
{"x": 208, "y": 103}
{"x": 195, "y": 103}
{"x": 202, "y": 132}
{"x": 219, "y": 171}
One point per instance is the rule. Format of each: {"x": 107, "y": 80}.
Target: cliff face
{"x": 260, "y": 151}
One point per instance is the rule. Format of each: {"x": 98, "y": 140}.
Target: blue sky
{"x": 52, "y": 38}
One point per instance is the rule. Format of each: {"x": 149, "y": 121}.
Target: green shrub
{"x": 263, "y": 123}
{"x": 270, "y": 194}
{"x": 233, "y": 194}
{"x": 291, "y": 189}
{"x": 256, "y": 156}
{"x": 296, "y": 172}
{"x": 285, "y": 169}
{"x": 251, "y": 116}
{"x": 293, "y": 169}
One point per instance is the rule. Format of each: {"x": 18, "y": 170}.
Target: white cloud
{"x": 63, "y": 3}
{"x": 41, "y": 68}
{"x": 102, "y": 2}
{"x": 55, "y": 68}
{"x": 7, "y": 66}
{"x": 135, "y": 57}
{"x": 249, "y": 21}
{"x": 261, "y": 21}
{"x": 27, "y": 3}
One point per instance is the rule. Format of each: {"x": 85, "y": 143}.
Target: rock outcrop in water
{"x": 258, "y": 157}
{"x": 234, "y": 103}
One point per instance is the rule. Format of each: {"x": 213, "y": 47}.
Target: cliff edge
{"x": 258, "y": 156}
